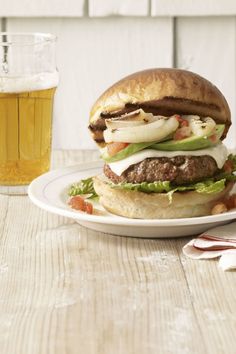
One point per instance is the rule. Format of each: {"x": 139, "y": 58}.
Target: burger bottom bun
{"x": 139, "y": 205}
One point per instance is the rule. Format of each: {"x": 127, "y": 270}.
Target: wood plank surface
{"x": 65, "y": 289}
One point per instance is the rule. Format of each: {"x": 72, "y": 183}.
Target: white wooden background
{"x": 100, "y": 41}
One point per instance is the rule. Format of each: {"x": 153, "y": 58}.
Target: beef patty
{"x": 178, "y": 170}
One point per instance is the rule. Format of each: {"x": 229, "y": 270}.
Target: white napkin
{"x": 217, "y": 242}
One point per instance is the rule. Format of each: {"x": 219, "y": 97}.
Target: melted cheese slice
{"x": 219, "y": 153}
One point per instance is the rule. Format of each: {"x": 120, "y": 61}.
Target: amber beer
{"x": 28, "y": 79}
{"x": 25, "y": 134}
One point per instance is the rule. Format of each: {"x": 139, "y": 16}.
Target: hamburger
{"x": 160, "y": 133}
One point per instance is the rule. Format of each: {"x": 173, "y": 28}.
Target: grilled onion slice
{"x": 155, "y": 130}
{"x": 201, "y": 127}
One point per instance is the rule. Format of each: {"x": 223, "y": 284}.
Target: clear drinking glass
{"x": 28, "y": 80}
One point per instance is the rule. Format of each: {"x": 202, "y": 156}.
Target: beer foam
{"x": 42, "y": 81}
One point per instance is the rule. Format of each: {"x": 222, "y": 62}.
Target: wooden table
{"x": 65, "y": 289}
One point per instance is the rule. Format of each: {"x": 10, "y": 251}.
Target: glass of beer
{"x": 28, "y": 80}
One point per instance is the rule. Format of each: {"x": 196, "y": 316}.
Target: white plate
{"x": 49, "y": 192}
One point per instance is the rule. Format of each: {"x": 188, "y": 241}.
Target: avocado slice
{"x": 192, "y": 143}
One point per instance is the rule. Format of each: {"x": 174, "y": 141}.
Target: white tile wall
{"x": 100, "y": 8}
{"x": 92, "y": 55}
{"x": 38, "y": 8}
{"x": 208, "y": 46}
{"x": 193, "y": 7}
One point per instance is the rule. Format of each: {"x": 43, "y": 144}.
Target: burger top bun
{"x": 161, "y": 91}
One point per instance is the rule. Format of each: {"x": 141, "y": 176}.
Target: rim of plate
{"x": 38, "y": 186}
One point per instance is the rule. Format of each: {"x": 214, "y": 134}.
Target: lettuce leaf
{"x": 153, "y": 187}
{"x": 83, "y": 187}
{"x": 207, "y": 186}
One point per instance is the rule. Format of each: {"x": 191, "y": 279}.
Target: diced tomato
{"x": 178, "y": 117}
{"x": 182, "y": 122}
{"x": 78, "y": 203}
{"x": 88, "y": 208}
{"x": 182, "y": 133}
{"x": 114, "y": 148}
{"x": 228, "y": 166}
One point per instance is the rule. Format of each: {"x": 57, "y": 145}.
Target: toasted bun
{"x": 139, "y": 205}
{"x": 162, "y": 91}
